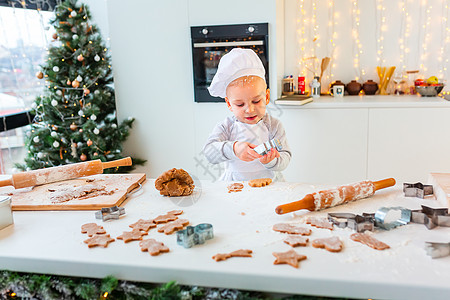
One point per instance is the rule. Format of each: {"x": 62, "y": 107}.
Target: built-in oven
{"x": 210, "y": 43}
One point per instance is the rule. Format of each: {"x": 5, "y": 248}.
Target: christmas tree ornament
{"x": 54, "y": 134}
{"x": 56, "y": 144}
{"x": 69, "y": 82}
{"x": 80, "y": 131}
{"x": 79, "y": 78}
{"x": 83, "y": 157}
{"x": 75, "y": 36}
{"x": 55, "y": 128}
{"x": 73, "y": 14}
{"x": 59, "y": 93}
{"x": 79, "y": 144}
{"x": 55, "y": 36}
{"x": 73, "y": 127}
{"x": 93, "y": 117}
{"x": 40, "y": 155}
{"x": 114, "y": 125}
{"x": 80, "y": 57}
{"x": 75, "y": 84}
{"x": 54, "y": 103}
{"x": 97, "y": 58}
{"x": 96, "y": 131}
{"x": 81, "y": 113}
{"x": 74, "y": 145}
{"x": 97, "y": 92}
{"x": 89, "y": 143}
{"x": 56, "y": 69}
{"x": 86, "y": 91}
{"x": 73, "y": 148}
{"x": 95, "y": 154}
{"x": 36, "y": 139}
{"x": 40, "y": 75}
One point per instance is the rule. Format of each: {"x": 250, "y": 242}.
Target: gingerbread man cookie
{"x": 289, "y": 257}
{"x": 92, "y": 228}
{"x": 133, "y": 235}
{"x": 170, "y": 216}
{"x": 295, "y": 241}
{"x": 99, "y": 240}
{"x": 369, "y": 241}
{"x": 171, "y": 227}
{"x": 153, "y": 247}
{"x": 291, "y": 229}
{"x": 237, "y": 253}
{"x": 332, "y": 244}
{"x": 319, "y": 223}
{"x": 260, "y": 182}
{"x": 143, "y": 225}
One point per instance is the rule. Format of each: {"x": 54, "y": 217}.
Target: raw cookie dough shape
{"x": 291, "y": 229}
{"x": 170, "y": 216}
{"x": 237, "y": 253}
{"x": 235, "y": 187}
{"x": 92, "y": 228}
{"x": 295, "y": 241}
{"x": 319, "y": 223}
{"x": 171, "y": 227}
{"x": 99, "y": 240}
{"x": 290, "y": 257}
{"x": 143, "y": 225}
{"x": 369, "y": 241}
{"x": 260, "y": 182}
{"x": 153, "y": 247}
{"x": 174, "y": 183}
{"x": 332, "y": 244}
{"x": 133, "y": 235}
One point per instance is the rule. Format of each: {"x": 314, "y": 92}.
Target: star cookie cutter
{"x": 195, "y": 235}
{"x": 264, "y": 148}
{"x": 110, "y": 213}
{"x": 437, "y": 250}
{"x": 382, "y": 213}
{"x": 431, "y": 217}
{"x": 356, "y": 222}
{"x": 418, "y": 190}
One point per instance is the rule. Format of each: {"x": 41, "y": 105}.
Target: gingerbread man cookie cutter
{"x": 383, "y": 221}
{"x": 264, "y": 148}
{"x": 195, "y": 235}
{"x": 417, "y": 189}
{"x": 356, "y": 222}
{"x": 110, "y": 213}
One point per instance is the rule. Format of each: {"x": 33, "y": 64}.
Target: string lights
{"x": 426, "y": 35}
{"x": 381, "y": 28}
{"x": 356, "y": 45}
{"x": 445, "y": 41}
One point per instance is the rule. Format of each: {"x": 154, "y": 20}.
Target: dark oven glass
{"x": 210, "y": 43}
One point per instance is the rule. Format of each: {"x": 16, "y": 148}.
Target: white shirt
{"x": 219, "y": 148}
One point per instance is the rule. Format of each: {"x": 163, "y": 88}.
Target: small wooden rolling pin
{"x": 329, "y": 198}
{"x": 60, "y": 173}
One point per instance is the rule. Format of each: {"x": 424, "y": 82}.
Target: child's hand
{"x": 271, "y": 155}
{"x": 244, "y": 151}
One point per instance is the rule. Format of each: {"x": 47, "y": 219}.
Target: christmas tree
{"x": 75, "y": 118}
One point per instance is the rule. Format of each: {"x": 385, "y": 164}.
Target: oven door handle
{"x": 226, "y": 44}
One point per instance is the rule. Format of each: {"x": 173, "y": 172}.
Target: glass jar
{"x": 288, "y": 86}
{"x": 411, "y": 78}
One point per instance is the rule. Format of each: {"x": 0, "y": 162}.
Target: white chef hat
{"x": 237, "y": 63}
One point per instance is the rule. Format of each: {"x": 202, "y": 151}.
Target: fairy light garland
{"x": 302, "y": 38}
{"x": 445, "y": 40}
{"x": 356, "y": 45}
{"x": 426, "y": 41}
{"x": 402, "y": 37}
{"x": 331, "y": 38}
{"x": 381, "y": 28}
{"x": 334, "y": 55}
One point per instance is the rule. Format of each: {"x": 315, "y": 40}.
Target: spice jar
{"x": 353, "y": 87}
{"x": 410, "y": 85}
{"x": 6, "y": 217}
{"x": 370, "y": 87}
{"x": 288, "y": 86}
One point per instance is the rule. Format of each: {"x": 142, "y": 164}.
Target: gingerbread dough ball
{"x": 174, "y": 183}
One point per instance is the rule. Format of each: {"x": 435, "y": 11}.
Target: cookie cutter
{"x": 264, "y": 148}
{"x": 418, "y": 190}
{"x": 431, "y": 217}
{"x": 356, "y": 222}
{"x": 437, "y": 250}
{"x": 110, "y": 213}
{"x": 383, "y": 212}
{"x": 195, "y": 235}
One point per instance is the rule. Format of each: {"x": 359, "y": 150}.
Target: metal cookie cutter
{"x": 195, "y": 235}
{"x": 418, "y": 190}
{"x": 110, "y": 213}
{"x": 431, "y": 217}
{"x": 356, "y": 222}
{"x": 437, "y": 250}
{"x": 385, "y": 223}
{"x": 264, "y": 148}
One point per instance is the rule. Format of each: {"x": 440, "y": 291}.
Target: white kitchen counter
{"x": 51, "y": 242}
{"x": 376, "y": 101}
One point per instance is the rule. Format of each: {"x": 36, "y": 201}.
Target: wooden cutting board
{"x": 84, "y": 193}
{"x": 441, "y": 187}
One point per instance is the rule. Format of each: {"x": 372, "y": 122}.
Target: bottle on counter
{"x": 315, "y": 87}
{"x": 301, "y": 85}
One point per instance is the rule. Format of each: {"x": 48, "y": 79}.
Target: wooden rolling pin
{"x": 336, "y": 196}
{"x": 60, "y": 173}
